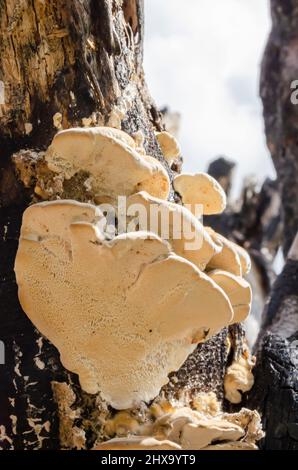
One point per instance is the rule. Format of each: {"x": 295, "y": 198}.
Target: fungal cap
{"x": 228, "y": 258}
{"x": 186, "y": 234}
{"x": 244, "y": 258}
{"x": 169, "y": 145}
{"x": 138, "y": 443}
{"x": 54, "y": 218}
{"x": 203, "y": 189}
{"x": 232, "y": 445}
{"x": 118, "y": 135}
{"x": 239, "y": 379}
{"x": 199, "y": 435}
{"x": 114, "y": 166}
{"x": 194, "y": 431}
{"x": 237, "y": 289}
{"x": 107, "y": 322}
{"x": 187, "y": 429}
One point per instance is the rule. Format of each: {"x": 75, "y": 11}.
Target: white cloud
{"x": 202, "y": 59}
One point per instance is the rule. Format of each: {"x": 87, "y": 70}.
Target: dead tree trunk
{"x": 279, "y": 71}
{"x": 66, "y": 64}
{"x": 275, "y": 391}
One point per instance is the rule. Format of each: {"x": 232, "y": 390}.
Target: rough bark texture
{"x": 279, "y": 70}
{"x": 258, "y": 221}
{"x": 276, "y": 381}
{"x": 67, "y": 64}
{"x": 275, "y": 391}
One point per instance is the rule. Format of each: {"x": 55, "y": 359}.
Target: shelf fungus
{"x": 169, "y": 146}
{"x": 239, "y": 377}
{"x": 110, "y": 159}
{"x": 176, "y": 224}
{"x": 202, "y": 190}
{"x": 123, "y": 313}
{"x": 127, "y": 309}
{"x": 231, "y": 258}
{"x": 186, "y": 429}
{"x": 237, "y": 289}
{"x": 138, "y": 443}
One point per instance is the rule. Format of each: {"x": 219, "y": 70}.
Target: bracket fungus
{"x": 230, "y": 258}
{"x": 109, "y": 157}
{"x": 244, "y": 258}
{"x": 187, "y": 429}
{"x": 237, "y": 289}
{"x": 194, "y": 431}
{"x": 169, "y": 146}
{"x": 138, "y": 443}
{"x": 239, "y": 378}
{"x": 176, "y": 224}
{"x": 201, "y": 189}
{"x": 123, "y": 313}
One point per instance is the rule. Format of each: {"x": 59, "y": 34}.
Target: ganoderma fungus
{"x": 201, "y": 189}
{"x": 123, "y": 313}
{"x": 176, "y": 224}
{"x": 237, "y": 289}
{"x": 109, "y": 157}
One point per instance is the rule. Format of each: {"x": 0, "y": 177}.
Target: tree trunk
{"x": 66, "y": 64}
{"x": 279, "y": 71}
{"x": 275, "y": 390}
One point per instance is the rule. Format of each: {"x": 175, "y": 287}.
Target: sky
{"x": 203, "y": 60}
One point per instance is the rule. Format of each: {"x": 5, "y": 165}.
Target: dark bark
{"x": 275, "y": 393}
{"x": 276, "y": 382}
{"x": 279, "y": 70}
{"x": 222, "y": 170}
{"x": 275, "y": 390}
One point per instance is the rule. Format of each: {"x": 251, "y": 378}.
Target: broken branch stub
{"x": 123, "y": 313}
